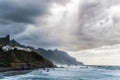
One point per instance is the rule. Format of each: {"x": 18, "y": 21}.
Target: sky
{"x": 87, "y": 29}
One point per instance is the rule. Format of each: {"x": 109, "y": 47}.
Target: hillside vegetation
{"x": 22, "y": 59}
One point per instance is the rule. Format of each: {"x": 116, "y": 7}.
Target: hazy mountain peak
{"x": 13, "y": 42}
{"x": 58, "y": 57}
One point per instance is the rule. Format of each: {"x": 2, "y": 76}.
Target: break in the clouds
{"x": 65, "y": 24}
{"x": 105, "y": 55}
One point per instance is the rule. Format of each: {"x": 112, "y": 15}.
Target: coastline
{"x": 19, "y": 71}
{"x": 5, "y": 69}
{"x": 15, "y": 72}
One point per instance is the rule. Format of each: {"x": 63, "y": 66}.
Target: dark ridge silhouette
{"x": 4, "y": 41}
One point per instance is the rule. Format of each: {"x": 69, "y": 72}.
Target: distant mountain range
{"x": 56, "y": 56}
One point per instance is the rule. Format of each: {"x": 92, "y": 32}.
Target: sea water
{"x": 70, "y": 73}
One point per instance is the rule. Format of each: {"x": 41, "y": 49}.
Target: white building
{"x": 7, "y": 48}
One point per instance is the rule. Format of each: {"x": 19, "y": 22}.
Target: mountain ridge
{"x": 56, "y": 56}
{"x": 59, "y": 57}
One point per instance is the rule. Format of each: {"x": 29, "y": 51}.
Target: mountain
{"x": 15, "y": 43}
{"x": 19, "y": 59}
{"x": 58, "y": 57}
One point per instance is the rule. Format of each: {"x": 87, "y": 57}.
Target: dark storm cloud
{"x": 25, "y": 10}
{"x": 74, "y": 26}
{"x": 11, "y": 28}
{"x": 22, "y": 10}
{"x": 16, "y": 15}
{"x": 38, "y": 39}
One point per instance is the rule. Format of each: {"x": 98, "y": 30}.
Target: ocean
{"x": 68, "y": 73}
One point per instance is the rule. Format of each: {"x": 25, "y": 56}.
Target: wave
{"x": 71, "y": 73}
{"x": 107, "y": 67}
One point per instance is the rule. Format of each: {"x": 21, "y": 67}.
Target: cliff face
{"x": 58, "y": 57}
{"x": 23, "y": 60}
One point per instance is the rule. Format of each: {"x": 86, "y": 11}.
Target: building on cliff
{"x": 5, "y": 45}
{"x": 4, "y": 41}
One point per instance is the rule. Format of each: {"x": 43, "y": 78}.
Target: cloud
{"x": 7, "y": 27}
{"x": 66, "y": 24}
{"x": 23, "y": 11}
{"x": 105, "y": 55}
{"x": 20, "y": 19}
{"x": 98, "y": 24}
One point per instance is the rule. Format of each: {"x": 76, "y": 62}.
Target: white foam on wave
{"x": 77, "y": 73}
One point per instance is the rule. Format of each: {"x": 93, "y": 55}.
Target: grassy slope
{"x": 18, "y": 58}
